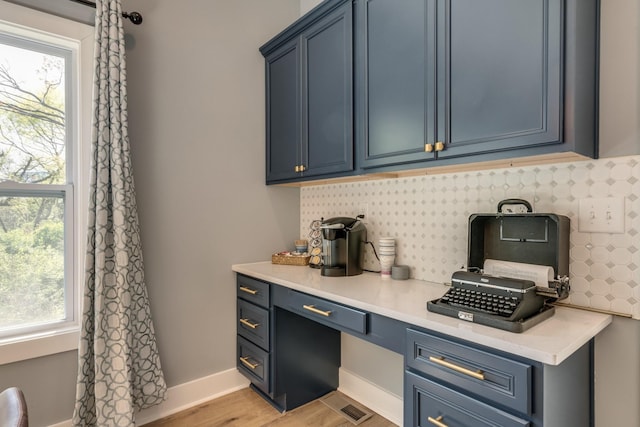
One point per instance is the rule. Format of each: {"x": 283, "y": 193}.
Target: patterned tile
{"x": 428, "y": 216}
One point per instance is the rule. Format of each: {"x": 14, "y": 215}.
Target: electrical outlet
{"x": 363, "y": 209}
{"x": 601, "y": 215}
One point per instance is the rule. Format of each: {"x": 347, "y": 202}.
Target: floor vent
{"x": 349, "y": 409}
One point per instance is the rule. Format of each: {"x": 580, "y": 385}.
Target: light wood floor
{"x": 244, "y": 408}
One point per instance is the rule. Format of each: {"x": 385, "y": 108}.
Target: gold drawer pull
{"x": 439, "y": 146}
{"x": 312, "y": 309}
{"x": 428, "y": 148}
{"x": 248, "y": 290}
{"x": 245, "y": 361}
{"x": 246, "y": 322}
{"x": 437, "y": 421}
{"x": 439, "y": 360}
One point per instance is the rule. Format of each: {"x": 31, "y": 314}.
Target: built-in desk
{"x": 468, "y": 374}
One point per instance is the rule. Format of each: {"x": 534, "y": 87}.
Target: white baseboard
{"x": 187, "y": 395}
{"x": 193, "y": 393}
{"x": 381, "y": 401}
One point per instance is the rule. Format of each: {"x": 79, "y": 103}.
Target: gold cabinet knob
{"x": 297, "y": 168}
{"x": 302, "y": 168}
{"x": 428, "y": 148}
{"x": 439, "y": 146}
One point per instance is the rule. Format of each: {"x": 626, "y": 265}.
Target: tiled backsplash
{"x": 428, "y": 216}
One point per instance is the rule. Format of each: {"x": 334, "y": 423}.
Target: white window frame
{"x": 23, "y": 22}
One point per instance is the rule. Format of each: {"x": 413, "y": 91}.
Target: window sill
{"x": 38, "y": 345}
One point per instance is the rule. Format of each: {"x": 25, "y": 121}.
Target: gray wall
{"x": 196, "y": 101}
{"x": 617, "y": 390}
{"x": 617, "y": 354}
{"x": 619, "y": 78}
{"x": 196, "y": 112}
{"x": 49, "y": 384}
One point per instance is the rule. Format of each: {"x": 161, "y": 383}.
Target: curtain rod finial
{"x": 134, "y": 17}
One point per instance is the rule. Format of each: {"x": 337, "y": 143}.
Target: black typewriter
{"x": 493, "y": 301}
{"x": 509, "y": 303}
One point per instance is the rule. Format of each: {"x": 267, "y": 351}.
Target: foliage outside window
{"x": 36, "y": 186}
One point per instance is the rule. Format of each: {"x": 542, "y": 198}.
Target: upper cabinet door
{"x": 309, "y": 86}
{"x": 327, "y": 102}
{"x": 283, "y": 112}
{"x": 500, "y": 75}
{"x": 396, "y": 81}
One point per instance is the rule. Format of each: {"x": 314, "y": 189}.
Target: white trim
{"x": 193, "y": 393}
{"x": 38, "y": 345}
{"x": 188, "y": 395}
{"x": 14, "y": 15}
{"x": 381, "y": 401}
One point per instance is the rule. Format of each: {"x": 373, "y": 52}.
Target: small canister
{"x": 400, "y": 272}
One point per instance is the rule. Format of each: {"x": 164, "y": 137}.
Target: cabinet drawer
{"x": 329, "y": 313}
{"x": 253, "y": 363}
{"x": 253, "y": 290}
{"x": 253, "y": 323}
{"x": 489, "y": 376}
{"x": 436, "y": 405}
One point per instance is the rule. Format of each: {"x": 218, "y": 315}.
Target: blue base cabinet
{"x": 288, "y": 346}
{"x": 288, "y": 342}
{"x": 449, "y": 382}
{"x": 451, "y": 408}
{"x": 289, "y": 359}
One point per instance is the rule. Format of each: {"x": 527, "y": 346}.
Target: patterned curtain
{"x": 118, "y": 365}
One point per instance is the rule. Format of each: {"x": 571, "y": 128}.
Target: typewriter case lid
{"x": 516, "y": 236}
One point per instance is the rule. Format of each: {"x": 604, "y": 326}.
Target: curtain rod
{"x": 134, "y": 17}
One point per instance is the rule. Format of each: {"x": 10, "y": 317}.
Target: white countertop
{"x": 550, "y": 342}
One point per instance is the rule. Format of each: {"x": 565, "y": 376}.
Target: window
{"x": 44, "y": 136}
{"x": 36, "y": 223}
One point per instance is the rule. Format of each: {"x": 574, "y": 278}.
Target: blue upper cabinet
{"x": 451, "y": 81}
{"x": 413, "y": 84}
{"x": 309, "y": 85}
{"x": 283, "y": 111}
{"x": 396, "y": 80}
{"x": 500, "y": 73}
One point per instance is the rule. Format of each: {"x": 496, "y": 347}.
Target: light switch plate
{"x": 601, "y": 215}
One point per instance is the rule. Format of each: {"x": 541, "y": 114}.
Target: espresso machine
{"x": 343, "y": 241}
